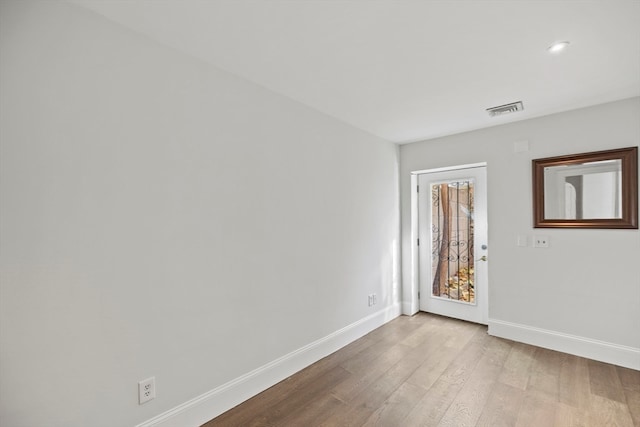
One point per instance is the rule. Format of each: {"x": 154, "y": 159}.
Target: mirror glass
{"x": 589, "y": 190}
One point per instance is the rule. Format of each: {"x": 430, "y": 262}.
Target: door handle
{"x": 483, "y": 258}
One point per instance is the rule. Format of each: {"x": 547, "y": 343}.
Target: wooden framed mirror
{"x": 588, "y": 190}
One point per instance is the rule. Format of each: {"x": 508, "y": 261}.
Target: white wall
{"x": 163, "y": 218}
{"x": 586, "y": 284}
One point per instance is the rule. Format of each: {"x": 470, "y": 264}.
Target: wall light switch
{"x": 540, "y": 241}
{"x": 522, "y": 240}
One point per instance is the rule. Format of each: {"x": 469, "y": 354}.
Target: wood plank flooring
{"x": 428, "y": 370}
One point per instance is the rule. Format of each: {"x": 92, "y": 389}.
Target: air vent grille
{"x": 505, "y": 109}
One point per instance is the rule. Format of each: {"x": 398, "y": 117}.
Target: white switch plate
{"x": 540, "y": 241}
{"x": 521, "y": 240}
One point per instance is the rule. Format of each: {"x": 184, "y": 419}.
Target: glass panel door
{"x": 452, "y": 243}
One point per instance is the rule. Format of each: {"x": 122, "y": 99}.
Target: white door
{"x": 452, "y": 245}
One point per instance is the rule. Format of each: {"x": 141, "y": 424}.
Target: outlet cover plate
{"x": 146, "y": 390}
{"x": 540, "y": 241}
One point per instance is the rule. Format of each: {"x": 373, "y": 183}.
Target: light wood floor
{"x": 428, "y": 370}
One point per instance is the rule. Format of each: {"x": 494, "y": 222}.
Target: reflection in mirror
{"x": 583, "y": 191}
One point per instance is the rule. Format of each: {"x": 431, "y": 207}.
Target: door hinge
{"x": 418, "y": 294}
{"x": 417, "y": 188}
{"x": 418, "y": 242}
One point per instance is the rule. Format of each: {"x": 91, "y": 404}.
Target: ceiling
{"x": 408, "y": 70}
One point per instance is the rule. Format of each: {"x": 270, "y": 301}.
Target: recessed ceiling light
{"x": 558, "y": 47}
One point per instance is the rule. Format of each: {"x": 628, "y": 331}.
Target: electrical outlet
{"x": 540, "y": 241}
{"x": 146, "y": 390}
{"x": 375, "y": 299}
{"x": 370, "y": 300}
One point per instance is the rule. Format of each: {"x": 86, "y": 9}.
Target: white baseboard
{"x": 209, "y": 405}
{"x": 620, "y": 355}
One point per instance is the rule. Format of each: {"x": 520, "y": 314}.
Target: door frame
{"x": 414, "y": 301}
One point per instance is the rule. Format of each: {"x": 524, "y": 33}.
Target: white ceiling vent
{"x": 505, "y": 109}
